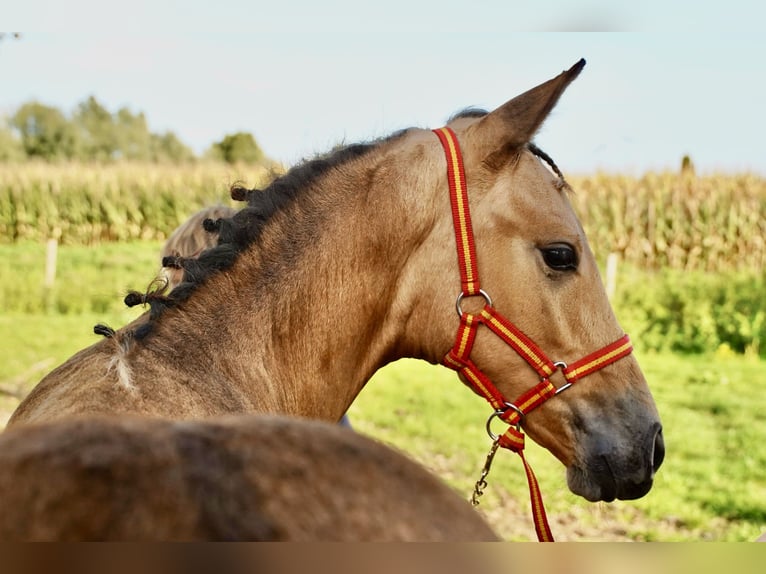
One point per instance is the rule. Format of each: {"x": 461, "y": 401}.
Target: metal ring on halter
{"x": 561, "y": 365}
{"x": 497, "y": 413}
{"x": 481, "y": 292}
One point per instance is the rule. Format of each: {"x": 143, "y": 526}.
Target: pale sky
{"x": 672, "y": 78}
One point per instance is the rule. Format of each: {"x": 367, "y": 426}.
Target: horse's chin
{"x": 581, "y": 483}
{"x": 601, "y": 486}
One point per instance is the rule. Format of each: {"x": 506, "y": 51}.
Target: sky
{"x": 663, "y": 79}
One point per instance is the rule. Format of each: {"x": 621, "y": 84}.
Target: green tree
{"x": 93, "y": 133}
{"x": 167, "y": 147}
{"x": 238, "y": 147}
{"x": 96, "y": 132}
{"x": 134, "y": 140}
{"x": 10, "y": 145}
{"x": 45, "y": 132}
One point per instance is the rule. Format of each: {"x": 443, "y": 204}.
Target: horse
{"x": 347, "y": 262}
{"x": 235, "y": 477}
{"x": 190, "y": 239}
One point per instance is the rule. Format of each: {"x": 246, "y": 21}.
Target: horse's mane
{"x": 238, "y": 232}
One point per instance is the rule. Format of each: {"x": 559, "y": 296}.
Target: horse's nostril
{"x": 659, "y": 450}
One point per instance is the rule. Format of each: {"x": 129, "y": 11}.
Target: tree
{"x": 238, "y": 147}
{"x": 45, "y": 132}
{"x": 134, "y": 140}
{"x": 167, "y": 147}
{"x": 96, "y": 132}
{"x": 10, "y": 145}
{"x": 93, "y": 133}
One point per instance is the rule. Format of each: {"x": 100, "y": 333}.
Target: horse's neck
{"x": 306, "y": 339}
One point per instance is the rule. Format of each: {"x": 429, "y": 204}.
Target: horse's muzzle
{"x": 655, "y": 447}
{"x": 611, "y": 475}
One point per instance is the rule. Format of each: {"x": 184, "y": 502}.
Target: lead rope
{"x": 513, "y": 440}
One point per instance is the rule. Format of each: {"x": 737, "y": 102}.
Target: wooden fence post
{"x": 611, "y": 274}
{"x": 49, "y": 281}
{"x": 51, "y": 254}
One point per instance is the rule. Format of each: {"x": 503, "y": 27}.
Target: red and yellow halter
{"x": 459, "y": 359}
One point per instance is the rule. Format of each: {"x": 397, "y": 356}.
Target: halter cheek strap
{"x": 459, "y": 357}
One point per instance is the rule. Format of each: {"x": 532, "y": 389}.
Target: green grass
{"x": 711, "y": 486}
{"x": 89, "y": 279}
{"x": 39, "y": 327}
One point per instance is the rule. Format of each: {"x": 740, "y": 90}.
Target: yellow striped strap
{"x": 529, "y": 401}
{"x": 476, "y": 380}
{"x": 622, "y": 347}
{"x": 515, "y": 338}
{"x": 513, "y": 440}
{"x": 461, "y": 213}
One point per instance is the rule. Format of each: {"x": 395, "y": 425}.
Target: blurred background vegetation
{"x": 691, "y": 276}
{"x": 92, "y": 133}
{"x": 692, "y": 252}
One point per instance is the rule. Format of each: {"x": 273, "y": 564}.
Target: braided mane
{"x": 238, "y": 232}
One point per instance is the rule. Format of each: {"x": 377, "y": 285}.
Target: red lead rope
{"x": 459, "y": 359}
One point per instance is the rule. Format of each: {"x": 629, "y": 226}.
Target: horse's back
{"x": 73, "y": 388}
{"x": 104, "y": 379}
{"x": 232, "y": 478}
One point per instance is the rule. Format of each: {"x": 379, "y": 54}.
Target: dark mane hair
{"x": 469, "y": 112}
{"x": 238, "y": 232}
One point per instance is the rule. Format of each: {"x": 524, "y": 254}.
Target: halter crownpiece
{"x": 458, "y": 358}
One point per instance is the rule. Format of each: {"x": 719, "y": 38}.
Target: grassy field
{"x": 711, "y": 487}
{"x": 89, "y": 279}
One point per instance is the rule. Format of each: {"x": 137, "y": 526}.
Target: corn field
{"x": 661, "y": 220}
{"x": 678, "y": 221}
{"x": 81, "y": 204}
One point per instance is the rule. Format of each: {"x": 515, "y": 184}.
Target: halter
{"x": 458, "y": 358}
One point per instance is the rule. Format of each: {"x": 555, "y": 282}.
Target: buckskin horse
{"x": 236, "y": 477}
{"x": 347, "y": 262}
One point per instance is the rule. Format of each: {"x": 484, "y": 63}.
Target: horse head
{"x": 540, "y": 317}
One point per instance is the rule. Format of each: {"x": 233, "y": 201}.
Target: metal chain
{"x": 481, "y": 484}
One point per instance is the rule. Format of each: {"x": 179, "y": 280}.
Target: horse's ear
{"x": 513, "y": 124}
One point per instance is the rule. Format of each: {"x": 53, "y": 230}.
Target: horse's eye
{"x": 560, "y": 256}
